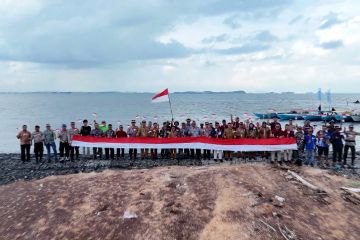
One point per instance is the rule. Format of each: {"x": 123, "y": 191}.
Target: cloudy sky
{"x": 148, "y": 45}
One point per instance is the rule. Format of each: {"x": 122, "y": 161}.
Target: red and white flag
{"x": 251, "y": 145}
{"x": 161, "y": 97}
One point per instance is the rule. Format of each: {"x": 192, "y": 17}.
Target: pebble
{"x": 12, "y": 169}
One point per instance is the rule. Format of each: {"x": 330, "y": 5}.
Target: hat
{"x": 47, "y": 125}
{"x": 332, "y": 121}
{"x": 188, "y": 119}
{"x": 351, "y": 126}
{"x": 133, "y": 121}
{"x": 64, "y": 125}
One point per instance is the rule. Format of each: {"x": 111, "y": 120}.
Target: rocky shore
{"x": 12, "y": 169}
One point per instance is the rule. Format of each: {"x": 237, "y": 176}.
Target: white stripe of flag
{"x": 161, "y": 97}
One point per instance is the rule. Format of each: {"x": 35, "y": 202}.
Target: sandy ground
{"x": 208, "y": 202}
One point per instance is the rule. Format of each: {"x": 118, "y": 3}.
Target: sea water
{"x": 33, "y": 109}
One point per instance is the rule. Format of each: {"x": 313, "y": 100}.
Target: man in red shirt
{"x": 120, "y": 133}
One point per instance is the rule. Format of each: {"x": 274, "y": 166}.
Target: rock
{"x": 129, "y": 215}
{"x": 279, "y": 201}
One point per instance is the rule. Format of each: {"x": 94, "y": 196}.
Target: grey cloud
{"x": 77, "y": 34}
{"x": 295, "y": 19}
{"x": 330, "y": 20}
{"x": 265, "y": 36}
{"x": 219, "y": 7}
{"x": 332, "y": 44}
{"x": 233, "y": 22}
{"x": 245, "y": 49}
{"x": 214, "y": 39}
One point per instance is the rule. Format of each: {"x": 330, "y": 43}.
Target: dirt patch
{"x": 249, "y": 201}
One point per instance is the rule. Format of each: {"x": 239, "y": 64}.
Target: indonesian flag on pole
{"x": 161, "y": 97}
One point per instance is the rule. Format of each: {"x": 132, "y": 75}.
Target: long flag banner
{"x": 245, "y": 145}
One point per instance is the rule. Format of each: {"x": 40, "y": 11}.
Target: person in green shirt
{"x": 103, "y": 127}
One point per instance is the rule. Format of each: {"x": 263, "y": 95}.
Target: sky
{"x": 149, "y": 45}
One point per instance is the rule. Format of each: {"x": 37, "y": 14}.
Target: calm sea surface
{"x": 116, "y": 108}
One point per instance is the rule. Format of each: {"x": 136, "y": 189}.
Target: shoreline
{"x": 12, "y": 169}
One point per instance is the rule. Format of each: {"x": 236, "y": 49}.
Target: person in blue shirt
{"x": 310, "y": 146}
{"x": 322, "y": 144}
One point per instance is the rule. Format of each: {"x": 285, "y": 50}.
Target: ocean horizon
{"x": 120, "y": 108}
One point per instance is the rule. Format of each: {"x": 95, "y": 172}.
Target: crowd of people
{"x": 312, "y": 145}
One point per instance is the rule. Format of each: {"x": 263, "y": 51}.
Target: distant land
{"x": 209, "y": 92}
{"x": 178, "y": 92}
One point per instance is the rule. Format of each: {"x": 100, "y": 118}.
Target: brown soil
{"x": 213, "y": 202}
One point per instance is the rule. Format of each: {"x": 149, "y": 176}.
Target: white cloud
{"x": 257, "y": 45}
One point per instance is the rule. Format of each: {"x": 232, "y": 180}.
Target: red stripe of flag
{"x": 163, "y": 93}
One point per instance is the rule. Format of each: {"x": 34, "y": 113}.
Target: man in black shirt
{"x": 85, "y": 131}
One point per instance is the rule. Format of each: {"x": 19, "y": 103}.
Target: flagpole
{"x": 172, "y": 115}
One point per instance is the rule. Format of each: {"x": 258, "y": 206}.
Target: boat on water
{"x": 357, "y": 102}
{"x": 328, "y": 116}
{"x": 296, "y": 114}
{"x": 313, "y": 117}
{"x": 356, "y": 117}
{"x": 292, "y": 116}
{"x": 342, "y": 117}
{"x": 266, "y": 115}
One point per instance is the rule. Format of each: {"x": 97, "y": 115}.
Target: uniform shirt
{"x": 132, "y": 131}
{"x": 37, "y": 137}
{"x": 25, "y": 137}
{"x": 229, "y": 133}
{"x": 96, "y": 133}
{"x": 49, "y": 136}
{"x": 72, "y": 132}
{"x": 143, "y": 132}
{"x": 336, "y": 139}
{"x": 183, "y": 132}
{"x": 85, "y": 131}
{"x": 63, "y": 136}
{"x": 310, "y": 142}
{"x": 264, "y": 132}
{"x": 194, "y": 131}
{"x": 289, "y": 134}
{"x": 299, "y": 136}
{"x": 240, "y": 132}
{"x": 110, "y": 134}
{"x": 350, "y": 137}
{"x": 252, "y": 133}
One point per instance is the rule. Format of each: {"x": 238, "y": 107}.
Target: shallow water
{"x": 116, "y": 108}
